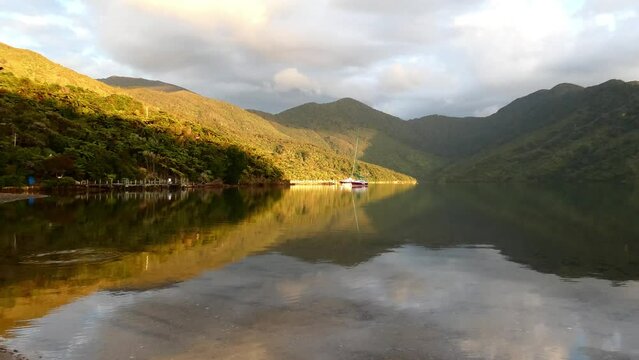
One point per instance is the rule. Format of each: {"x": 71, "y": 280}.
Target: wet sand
{"x": 8, "y": 197}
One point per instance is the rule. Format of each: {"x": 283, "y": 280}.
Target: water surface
{"x": 393, "y": 272}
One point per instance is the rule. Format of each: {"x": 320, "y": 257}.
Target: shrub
{"x": 59, "y": 183}
{"x": 12, "y": 180}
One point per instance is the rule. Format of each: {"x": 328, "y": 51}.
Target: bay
{"x": 389, "y": 272}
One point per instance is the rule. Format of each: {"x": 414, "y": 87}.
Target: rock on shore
{"x": 6, "y": 354}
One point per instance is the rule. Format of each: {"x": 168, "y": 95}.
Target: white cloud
{"x": 400, "y": 78}
{"x": 291, "y": 79}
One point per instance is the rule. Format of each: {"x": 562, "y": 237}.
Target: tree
{"x": 237, "y": 162}
{"x": 58, "y": 165}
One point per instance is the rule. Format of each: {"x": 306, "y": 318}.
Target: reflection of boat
{"x": 351, "y": 181}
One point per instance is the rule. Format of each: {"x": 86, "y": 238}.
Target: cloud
{"x": 291, "y": 79}
{"x": 73, "y": 7}
{"x": 410, "y": 57}
{"x": 400, "y": 78}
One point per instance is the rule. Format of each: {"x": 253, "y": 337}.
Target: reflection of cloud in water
{"x": 503, "y": 310}
{"x": 454, "y": 303}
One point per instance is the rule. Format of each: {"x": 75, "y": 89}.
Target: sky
{"x": 409, "y": 58}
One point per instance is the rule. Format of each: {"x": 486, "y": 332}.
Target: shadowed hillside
{"x": 567, "y": 133}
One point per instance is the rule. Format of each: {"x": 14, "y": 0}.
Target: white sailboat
{"x": 351, "y": 180}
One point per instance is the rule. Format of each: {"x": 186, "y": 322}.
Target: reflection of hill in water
{"x": 156, "y": 239}
{"x": 142, "y": 231}
{"x": 571, "y": 231}
{"x": 146, "y": 241}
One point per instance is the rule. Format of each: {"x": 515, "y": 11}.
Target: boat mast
{"x": 355, "y": 156}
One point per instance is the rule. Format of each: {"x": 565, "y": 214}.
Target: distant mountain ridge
{"x": 588, "y": 134}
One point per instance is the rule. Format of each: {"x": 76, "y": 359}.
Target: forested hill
{"x": 57, "y": 122}
{"x": 50, "y": 131}
{"x": 567, "y": 133}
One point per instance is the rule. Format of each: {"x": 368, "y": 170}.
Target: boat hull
{"x": 354, "y": 182}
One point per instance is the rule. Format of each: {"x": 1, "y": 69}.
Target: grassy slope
{"x": 33, "y": 66}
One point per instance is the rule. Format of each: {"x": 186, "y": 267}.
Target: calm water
{"x": 441, "y": 272}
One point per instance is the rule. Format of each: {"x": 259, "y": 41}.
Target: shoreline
{"x": 35, "y": 191}
{"x": 8, "y": 194}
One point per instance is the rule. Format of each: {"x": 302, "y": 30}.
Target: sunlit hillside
{"x": 28, "y": 64}
{"x": 190, "y": 117}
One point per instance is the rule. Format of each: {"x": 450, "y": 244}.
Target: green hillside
{"x": 143, "y": 129}
{"x": 33, "y": 66}
{"x": 384, "y": 139}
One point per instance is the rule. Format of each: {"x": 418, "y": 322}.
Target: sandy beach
{"x": 8, "y": 197}
{"x": 6, "y": 354}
